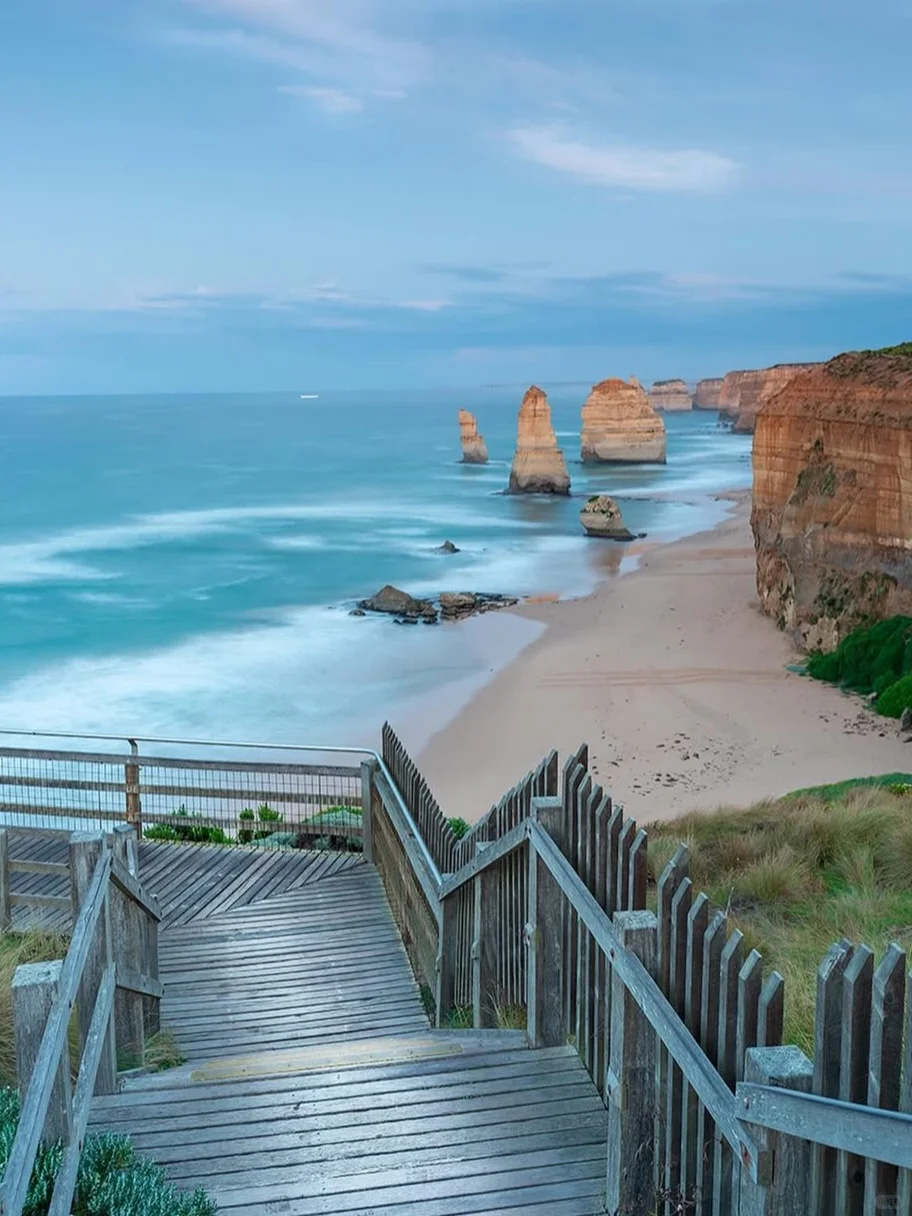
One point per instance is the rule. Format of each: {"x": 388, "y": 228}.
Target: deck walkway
{"x": 312, "y": 1082}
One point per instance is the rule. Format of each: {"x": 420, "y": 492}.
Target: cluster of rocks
{"x": 450, "y": 605}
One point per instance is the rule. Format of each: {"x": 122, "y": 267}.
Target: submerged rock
{"x": 447, "y": 547}
{"x": 474, "y": 448}
{"x": 398, "y": 603}
{"x": 601, "y": 516}
{"x": 538, "y": 465}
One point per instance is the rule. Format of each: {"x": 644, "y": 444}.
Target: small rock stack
{"x": 474, "y": 448}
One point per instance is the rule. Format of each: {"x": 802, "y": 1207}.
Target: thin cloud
{"x": 688, "y": 170}
{"x": 330, "y": 101}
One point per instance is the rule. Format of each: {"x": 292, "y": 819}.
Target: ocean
{"x": 185, "y": 566}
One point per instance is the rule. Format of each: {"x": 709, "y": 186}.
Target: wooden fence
{"x": 679, "y": 1025}
{"x": 208, "y": 796}
{"x": 110, "y": 976}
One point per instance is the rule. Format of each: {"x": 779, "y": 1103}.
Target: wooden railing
{"x": 110, "y": 977}
{"x": 677, "y": 1024}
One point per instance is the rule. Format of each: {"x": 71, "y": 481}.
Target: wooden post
{"x": 631, "y": 1089}
{"x": 134, "y": 805}
{"x": 367, "y": 808}
{"x": 6, "y": 915}
{"x": 86, "y": 849}
{"x": 785, "y": 1193}
{"x": 447, "y": 945}
{"x": 857, "y": 983}
{"x": 827, "y": 1053}
{"x": 884, "y": 1070}
{"x": 126, "y": 939}
{"x": 484, "y": 923}
{"x": 35, "y": 988}
{"x": 545, "y": 935}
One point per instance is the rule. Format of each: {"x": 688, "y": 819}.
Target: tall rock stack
{"x": 474, "y": 449}
{"x": 706, "y": 394}
{"x": 620, "y": 426}
{"x": 670, "y": 395}
{"x": 832, "y": 498}
{"x": 538, "y": 465}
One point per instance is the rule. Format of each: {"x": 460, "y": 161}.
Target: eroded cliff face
{"x": 474, "y": 448}
{"x": 706, "y": 394}
{"x": 620, "y": 426}
{"x": 670, "y": 395}
{"x": 743, "y": 393}
{"x": 538, "y": 465}
{"x": 832, "y": 498}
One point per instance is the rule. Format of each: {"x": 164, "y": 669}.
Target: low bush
{"x": 188, "y": 828}
{"x": 870, "y": 659}
{"x": 112, "y": 1179}
{"x": 458, "y": 827}
{"x": 896, "y": 698}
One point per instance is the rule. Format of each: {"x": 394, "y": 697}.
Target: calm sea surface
{"x": 185, "y": 565}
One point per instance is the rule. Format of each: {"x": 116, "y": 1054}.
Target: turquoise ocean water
{"x": 185, "y": 565}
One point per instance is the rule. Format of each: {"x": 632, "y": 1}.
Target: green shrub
{"x": 266, "y": 814}
{"x": 112, "y": 1179}
{"x": 869, "y": 659}
{"x": 458, "y": 827}
{"x": 186, "y": 828}
{"x": 898, "y": 697}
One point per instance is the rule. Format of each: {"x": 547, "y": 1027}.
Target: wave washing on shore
{"x": 185, "y": 566}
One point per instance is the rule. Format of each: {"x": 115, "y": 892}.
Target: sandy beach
{"x": 679, "y": 685}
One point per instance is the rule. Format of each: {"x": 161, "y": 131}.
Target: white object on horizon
{"x": 309, "y": 396}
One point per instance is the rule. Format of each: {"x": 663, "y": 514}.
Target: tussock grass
{"x": 34, "y": 946}
{"x": 799, "y": 873}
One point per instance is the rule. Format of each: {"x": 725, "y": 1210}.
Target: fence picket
{"x": 853, "y": 1071}
{"x": 697, "y": 923}
{"x": 677, "y": 970}
{"x": 883, "y": 1077}
{"x": 729, "y": 968}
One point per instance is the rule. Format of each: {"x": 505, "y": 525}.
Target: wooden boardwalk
{"x": 313, "y": 1084}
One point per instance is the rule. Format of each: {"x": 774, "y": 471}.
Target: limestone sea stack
{"x": 474, "y": 449}
{"x": 538, "y": 465}
{"x": 620, "y": 426}
{"x": 832, "y": 498}
{"x": 601, "y": 516}
{"x": 671, "y": 396}
{"x": 706, "y": 394}
{"x": 744, "y": 393}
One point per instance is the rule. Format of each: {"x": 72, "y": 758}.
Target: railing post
{"x": 631, "y": 1080}
{"x": 367, "y": 808}
{"x": 445, "y": 996}
{"x": 6, "y": 914}
{"x": 545, "y": 935}
{"x": 128, "y": 951}
{"x": 134, "y": 805}
{"x": 35, "y": 988}
{"x": 483, "y": 962}
{"x": 86, "y": 849}
{"x": 786, "y": 1191}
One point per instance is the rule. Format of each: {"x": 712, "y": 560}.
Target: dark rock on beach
{"x": 398, "y": 603}
{"x": 454, "y": 605}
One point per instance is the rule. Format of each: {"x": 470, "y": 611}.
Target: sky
{"x": 213, "y": 195}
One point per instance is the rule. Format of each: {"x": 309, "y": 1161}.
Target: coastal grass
{"x": 799, "y": 873}
{"x": 35, "y": 946}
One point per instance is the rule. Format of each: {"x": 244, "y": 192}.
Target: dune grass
{"x": 797, "y": 874}
{"x": 35, "y": 946}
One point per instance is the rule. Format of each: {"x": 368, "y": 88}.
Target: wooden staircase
{"x": 313, "y": 1083}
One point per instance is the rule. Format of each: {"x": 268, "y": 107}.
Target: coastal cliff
{"x": 474, "y": 448}
{"x": 538, "y": 465}
{"x": 706, "y": 394}
{"x": 670, "y": 395}
{"x": 620, "y": 426}
{"x": 832, "y": 498}
{"x": 743, "y": 393}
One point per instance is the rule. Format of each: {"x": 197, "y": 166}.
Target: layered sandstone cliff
{"x": 832, "y": 500}
{"x": 474, "y": 449}
{"x": 670, "y": 395}
{"x": 538, "y": 465}
{"x": 743, "y": 393}
{"x": 706, "y": 394}
{"x": 620, "y": 426}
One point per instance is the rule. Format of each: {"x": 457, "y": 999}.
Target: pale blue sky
{"x": 218, "y": 194}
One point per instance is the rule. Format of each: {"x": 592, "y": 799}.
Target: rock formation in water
{"x": 670, "y": 395}
{"x": 744, "y": 393}
{"x": 538, "y": 465}
{"x": 620, "y": 426}
{"x": 474, "y": 449}
{"x": 832, "y": 499}
{"x": 706, "y": 394}
{"x": 393, "y": 602}
{"x": 601, "y": 516}
{"x": 454, "y": 605}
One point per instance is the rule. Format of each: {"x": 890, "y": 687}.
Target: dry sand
{"x": 679, "y": 685}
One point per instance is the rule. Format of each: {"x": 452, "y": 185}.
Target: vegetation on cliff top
{"x": 797, "y": 874}
{"x": 876, "y": 659}
{"x": 879, "y": 365}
